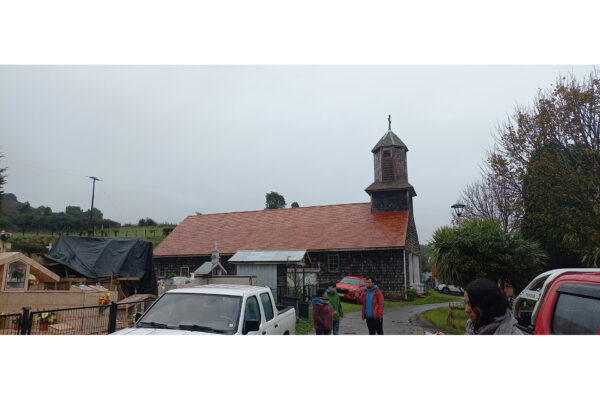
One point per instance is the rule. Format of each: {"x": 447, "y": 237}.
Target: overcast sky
{"x": 168, "y": 141}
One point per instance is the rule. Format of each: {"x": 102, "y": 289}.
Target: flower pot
{"x": 43, "y": 326}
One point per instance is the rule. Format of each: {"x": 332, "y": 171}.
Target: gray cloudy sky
{"x": 168, "y": 141}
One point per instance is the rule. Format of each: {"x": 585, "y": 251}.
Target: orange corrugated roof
{"x": 339, "y": 226}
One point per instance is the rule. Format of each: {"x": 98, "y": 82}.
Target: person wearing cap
{"x": 322, "y": 313}
{"x": 334, "y": 300}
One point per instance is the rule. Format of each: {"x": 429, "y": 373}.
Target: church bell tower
{"x": 390, "y": 191}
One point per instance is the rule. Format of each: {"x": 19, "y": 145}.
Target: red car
{"x": 351, "y": 287}
{"x": 561, "y": 301}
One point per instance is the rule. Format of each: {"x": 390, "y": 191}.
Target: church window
{"x": 333, "y": 263}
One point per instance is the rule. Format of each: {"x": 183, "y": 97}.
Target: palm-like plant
{"x": 479, "y": 248}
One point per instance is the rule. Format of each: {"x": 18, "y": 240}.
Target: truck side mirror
{"x": 251, "y": 325}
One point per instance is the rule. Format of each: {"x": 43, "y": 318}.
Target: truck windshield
{"x": 351, "y": 281}
{"x": 216, "y": 313}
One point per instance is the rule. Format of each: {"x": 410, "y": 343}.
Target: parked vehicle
{"x": 445, "y": 288}
{"x": 216, "y": 309}
{"x": 350, "y": 288}
{"x": 560, "y": 302}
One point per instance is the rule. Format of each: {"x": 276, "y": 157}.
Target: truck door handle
{"x": 264, "y": 333}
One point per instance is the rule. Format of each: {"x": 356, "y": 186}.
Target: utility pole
{"x": 94, "y": 179}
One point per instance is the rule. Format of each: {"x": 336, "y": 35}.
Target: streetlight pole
{"x": 94, "y": 179}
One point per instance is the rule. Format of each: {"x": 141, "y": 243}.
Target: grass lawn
{"x": 152, "y": 233}
{"x": 437, "y": 316}
{"x": 304, "y": 326}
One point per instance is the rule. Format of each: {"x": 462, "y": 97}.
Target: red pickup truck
{"x": 351, "y": 287}
{"x": 561, "y": 302}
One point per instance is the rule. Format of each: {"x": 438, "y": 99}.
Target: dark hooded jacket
{"x": 322, "y": 313}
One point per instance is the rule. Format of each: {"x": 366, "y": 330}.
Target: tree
{"x": 480, "y": 248}
{"x": 561, "y": 204}
{"x": 295, "y": 204}
{"x": 567, "y": 114}
{"x": 274, "y": 200}
{"x": 97, "y": 215}
{"x": 486, "y": 199}
{"x": 425, "y": 264}
{"x": 24, "y": 208}
{"x": 74, "y": 211}
{"x": 2, "y": 182}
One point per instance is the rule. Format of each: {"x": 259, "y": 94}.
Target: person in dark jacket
{"x": 372, "y": 310}
{"x": 487, "y": 310}
{"x": 322, "y": 313}
{"x": 334, "y": 300}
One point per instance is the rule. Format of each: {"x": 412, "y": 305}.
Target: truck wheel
{"x": 445, "y": 290}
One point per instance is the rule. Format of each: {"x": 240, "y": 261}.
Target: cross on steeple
{"x": 389, "y": 122}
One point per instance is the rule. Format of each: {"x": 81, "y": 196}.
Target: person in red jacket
{"x": 372, "y": 310}
{"x": 322, "y": 313}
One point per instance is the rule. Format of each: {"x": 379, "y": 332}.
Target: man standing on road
{"x": 322, "y": 313}
{"x": 334, "y": 300}
{"x": 372, "y": 311}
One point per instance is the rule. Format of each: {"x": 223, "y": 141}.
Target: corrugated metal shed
{"x": 268, "y": 257}
{"x": 266, "y": 274}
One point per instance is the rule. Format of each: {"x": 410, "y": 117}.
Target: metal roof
{"x": 205, "y": 268}
{"x": 268, "y": 256}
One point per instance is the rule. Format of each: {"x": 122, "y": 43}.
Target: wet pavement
{"x": 399, "y": 320}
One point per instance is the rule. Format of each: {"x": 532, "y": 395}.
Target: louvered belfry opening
{"x": 387, "y": 166}
{"x": 390, "y": 190}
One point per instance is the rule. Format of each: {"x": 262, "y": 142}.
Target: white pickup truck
{"x": 215, "y": 309}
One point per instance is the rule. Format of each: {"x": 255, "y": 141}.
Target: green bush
{"x": 411, "y": 294}
{"x": 32, "y": 244}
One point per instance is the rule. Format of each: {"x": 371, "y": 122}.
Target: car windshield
{"x": 351, "y": 281}
{"x": 194, "y": 311}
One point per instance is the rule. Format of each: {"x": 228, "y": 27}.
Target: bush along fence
{"x": 89, "y": 320}
{"x": 10, "y": 324}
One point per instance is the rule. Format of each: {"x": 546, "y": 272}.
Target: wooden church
{"x": 377, "y": 239}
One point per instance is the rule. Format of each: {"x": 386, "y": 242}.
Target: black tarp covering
{"x": 94, "y": 257}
